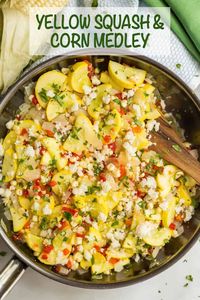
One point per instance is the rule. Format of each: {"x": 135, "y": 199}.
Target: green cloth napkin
{"x": 185, "y": 21}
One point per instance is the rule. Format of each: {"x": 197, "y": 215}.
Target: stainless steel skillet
{"x": 185, "y": 106}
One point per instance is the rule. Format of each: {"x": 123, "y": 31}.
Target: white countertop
{"x": 169, "y": 285}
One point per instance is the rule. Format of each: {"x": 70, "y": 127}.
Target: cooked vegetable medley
{"x": 83, "y": 187}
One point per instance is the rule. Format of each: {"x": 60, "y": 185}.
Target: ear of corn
{"x": 24, "y": 5}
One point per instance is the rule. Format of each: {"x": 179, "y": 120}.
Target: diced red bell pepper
{"x": 44, "y": 256}
{"x": 122, "y": 170}
{"x": 34, "y": 100}
{"x": 137, "y": 129}
{"x": 172, "y": 226}
{"x": 69, "y": 264}
{"x": 24, "y": 131}
{"x": 52, "y": 183}
{"x": 113, "y": 260}
{"x": 47, "y": 249}
{"x": 107, "y": 139}
{"x": 72, "y": 211}
{"x": 112, "y": 146}
{"x": 49, "y": 133}
{"x": 102, "y": 177}
{"x": 66, "y": 251}
{"x": 119, "y": 96}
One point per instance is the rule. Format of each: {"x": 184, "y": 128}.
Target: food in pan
{"x": 83, "y": 187}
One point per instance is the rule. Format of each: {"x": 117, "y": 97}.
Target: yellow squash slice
{"x": 63, "y": 180}
{"x": 82, "y": 135}
{"x": 19, "y": 220}
{"x": 105, "y": 78}
{"x": 34, "y": 242}
{"x": 125, "y": 76}
{"x": 9, "y": 167}
{"x": 46, "y": 83}
{"x": 169, "y": 213}
{"x": 78, "y": 77}
{"x": 9, "y": 140}
{"x": 158, "y": 238}
{"x": 96, "y": 106}
{"x": 67, "y": 101}
{"x": 54, "y": 150}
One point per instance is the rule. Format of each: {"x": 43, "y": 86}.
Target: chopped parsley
{"x": 3, "y": 253}
{"x": 117, "y": 101}
{"x": 74, "y": 133}
{"x": 189, "y": 277}
{"x": 115, "y": 223}
{"x": 97, "y": 169}
{"x": 43, "y": 95}
{"x": 44, "y": 223}
{"x": 92, "y": 189}
{"x": 67, "y": 216}
{"x": 178, "y": 66}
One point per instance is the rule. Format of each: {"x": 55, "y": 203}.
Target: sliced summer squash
{"x": 9, "y": 167}
{"x": 125, "y": 76}
{"x": 49, "y": 81}
{"x": 78, "y": 77}
{"x": 19, "y": 220}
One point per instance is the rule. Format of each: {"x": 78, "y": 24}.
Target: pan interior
{"x": 181, "y": 103}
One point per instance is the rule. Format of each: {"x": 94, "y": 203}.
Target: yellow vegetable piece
{"x": 82, "y": 134}
{"x": 124, "y": 75}
{"x": 46, "y": 159}
{"x": 100, "y": 264}
{"x": 85, "y": 264}
{"x": 141, "y": 141}
{"x": 63, "y": 180}
{"x": 46, "y": 82}
{"x": 96, "y": 106}
{"x": 105, "y": 78}
{"x": 120, "y": 254}
{"x": 95, "y": 237}
{"x": 24, "y": 202}
{"x": 184, "y": 194}
{"x": 19, "y": 220}
{"x": 138, "y": 218}
{"x": 51, "y": 258}
{"x": 113, "y": 199}
{"x": 112, "y": 124}
{"x": 27, "y": 124}
{"x": 169, "y": 213}
{"x": 34, "y": 242}
{"x": 9, "y": 140}
{"x": 79, "y": 76}
{"x": 59, "y": 244}
{"x": 9, "y": 167}
{"x": 67, "y": 101}
{"x": 130, "y": 242}
{"x": 93, "y": 203}
{"x": 158, "y": 238}
{"x": 54, "y": 150}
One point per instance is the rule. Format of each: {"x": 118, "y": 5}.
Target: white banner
{"x": 55, "y": 31}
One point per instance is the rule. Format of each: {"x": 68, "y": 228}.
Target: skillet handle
{"x": 10, "y": 275}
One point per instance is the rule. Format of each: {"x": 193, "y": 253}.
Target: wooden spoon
{"x": 170, "y": 146}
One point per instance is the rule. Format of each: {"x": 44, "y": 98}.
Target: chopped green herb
{"x": 43, "y": 95}
{"x": 92, "y": 189}
{"x": 3, "y": 253}
{"x": 189, "y": 277}
{"x": 95, "y": 3}
{"x": 115, "y": 223}
{"x": 142, "y": 204}
{"x": 67, "y": 216}
{"x": 92, "y": 260}
{"x": 97, "y": 169}
{"x": 178, "y": 66}
{"x": 43, "y": 224}
{"x": 30, "y": 167}
{"x": 117, "y": 101}
{"x": 176, "y": 147}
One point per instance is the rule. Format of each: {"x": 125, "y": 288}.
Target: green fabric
{"x": 185, "y": 21}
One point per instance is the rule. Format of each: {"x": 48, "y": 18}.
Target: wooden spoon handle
{"x": 179, "y": 157}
